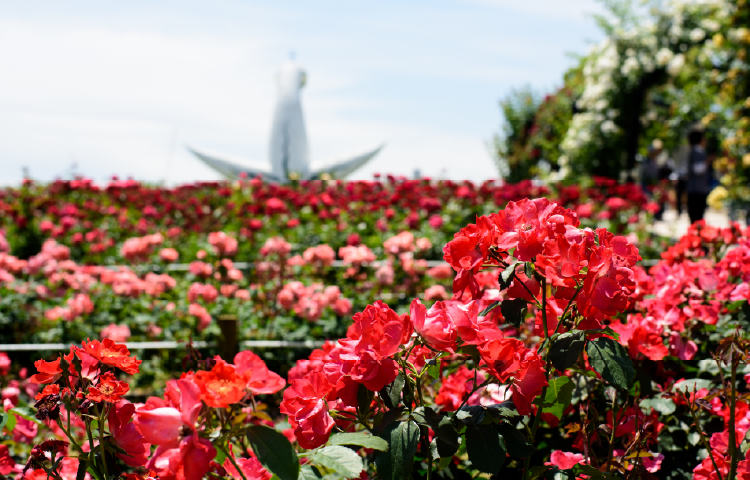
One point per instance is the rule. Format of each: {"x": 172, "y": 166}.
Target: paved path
{"x": 672, "y": 226}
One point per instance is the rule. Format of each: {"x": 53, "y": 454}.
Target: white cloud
{"x": 557, "y": 9}
{"x": 113, "y": 97}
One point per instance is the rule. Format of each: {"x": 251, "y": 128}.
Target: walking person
{"x": 698, "y": 175}
{"x": 679, "y": 176}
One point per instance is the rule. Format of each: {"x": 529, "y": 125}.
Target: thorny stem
{"x": 562, "y": 317}
{"x": 612, "y": 434}
{"x": 732, "y": 419}
{"x": 67, "y": 434}
{"x": 638, "y": 438}
{"x": 533, "y": 297}
{"x": 91, "y": 444}
{"x": 101, "y": 439}
{"x": 466, "y": 399}
{"x": 232, "y": 459}
{"x": 538, "y": 416}
{"x": 702, "y": 436}
{"x": 586, "y": 443}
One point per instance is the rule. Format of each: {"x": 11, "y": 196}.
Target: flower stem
{"x": 732, "y": 419}
{"x": 231, "y": 458}
{"x": 702, "y": 435}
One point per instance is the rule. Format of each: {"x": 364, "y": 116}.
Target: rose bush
{"x": 557, "y": 356}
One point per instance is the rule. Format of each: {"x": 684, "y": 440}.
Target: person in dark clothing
{"x": 698, "y": 176}
{"x": 679, "y": 176}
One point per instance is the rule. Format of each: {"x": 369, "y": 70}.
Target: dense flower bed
{"x": 79, "y": 261}
{"x": 93, "y": 257}
{"x": 555, "y": 355}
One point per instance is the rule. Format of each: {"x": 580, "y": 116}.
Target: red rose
{"x": 221, "y": 386}
{"x": 259, "y": 379}
{"x": 435, "y": 325}
{"x": 109, "y": 389}
{"x": 48, "y": 371}
{"x": 305, "y": 403}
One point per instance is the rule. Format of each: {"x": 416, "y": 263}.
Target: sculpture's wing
{"x": 343, "y": 166}
{"x": 232, "y": 166}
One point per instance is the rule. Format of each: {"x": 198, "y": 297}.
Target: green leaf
{"x": 444, "y": 462}
{"x": 26, "y": 413}
{"x": 507, "y": 409}
{"x": 391, "y": 394}
{"x": 506, "y": 276}
{"x": 445, "y": 449}
{"x": 581, "y": 469}
{"x": 691, "y": 384}
{"x": 389, "y": 417}
{"x": 557, "y": 474}
{"x": 308, "y": 472}
{"x": 535, "y": 472}
{"x": 359, "y": 439}
{"x": 471, "y": 414}
{"x": 82, "y": 467}
{"x": 433, "y": 369}
{"x": 397, "y": 462}
{"x": 4, "y": 417}
{"x": 364, "y": 399}
{"x": 610, "y": 359}
{"x": 470, "y": 350}
{"x": 515, "y": 441}
{"x": 558, "y": 395}
{"x": 490, "y": 308}
{"x": 11, "y": 423}
{"x": 341, "y": 460}
{"x": 665, "y": 406}
{"x": 566, "y": 349}
{"x": 443, "y": 427}
{"x": 514, "y": 311}
{"x": 528, "y": 269}
{"x": 274, "y": 451}
{"x": 744, "y": 314}
{"x": 486, "y": 448}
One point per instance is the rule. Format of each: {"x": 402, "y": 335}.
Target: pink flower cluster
{"x": 206, "y": 292}
{"x": 356, "y": 255}
{"x": 320, "y": 255}
{"x": 276, "y": 246}
{"x": 140, "y": 248}
{"x": 309, "y": 302}
{"x": 223, "y": 244}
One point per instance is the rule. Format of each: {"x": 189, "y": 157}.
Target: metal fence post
{"x": 229, "y": 345}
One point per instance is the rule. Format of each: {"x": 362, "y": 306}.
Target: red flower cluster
{"x": 597, "y": 263}
{"x": 331, "y": 377}
{"x": 110, "y": 353}
{"x": 108, "y": 389}
{"x": 366, "y": 355}
{"x": 226, "y": 384}
{"x": 506, "y": 358}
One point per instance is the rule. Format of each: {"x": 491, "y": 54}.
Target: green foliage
{"x": 662, "y": 68}
{"x": 359, "y": 439}
{"x": 274, "y": 451}
{"x": 532, "y": 130}
{"x": 557, "y": 396}
{"x": 340, "y": 459}
{"x": 391, "y": 394}
{"x": 612, "y": 361}
{"x": 486, "y": 448}
{"x": 566, "y": 349}
{"x": 397, "y": 462}
{"x": 514, "y": 311}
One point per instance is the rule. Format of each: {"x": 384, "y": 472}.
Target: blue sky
{"x": 121, "y": 88}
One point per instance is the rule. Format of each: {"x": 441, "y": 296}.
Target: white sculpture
{"x": 288, "y": 151}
